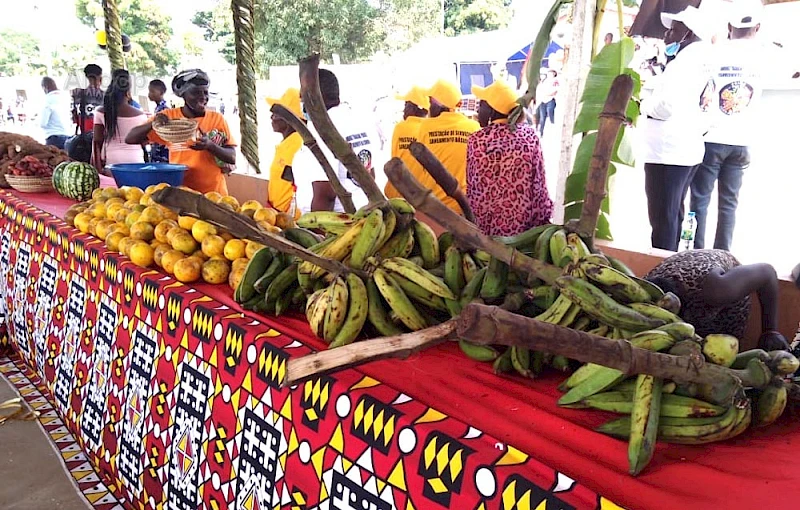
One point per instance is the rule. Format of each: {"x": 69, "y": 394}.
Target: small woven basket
{"x": 30, "y": 184}
{"x": 176, "y": 130}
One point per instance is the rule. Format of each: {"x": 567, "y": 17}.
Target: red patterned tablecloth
{"x": 171, "y": 392}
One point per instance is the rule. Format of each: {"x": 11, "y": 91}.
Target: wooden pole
{"x": 315, "y": 106}
{"x": 577, "y": 66}
{"x": 611, "y": 119}
{"x": 345, "y": 197}
{"x": 443, "y": 178}
{"x": 113, "y": 35}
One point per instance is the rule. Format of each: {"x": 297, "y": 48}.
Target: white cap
{"x": 691, "y": 17}
{"x": 746, "y": 13}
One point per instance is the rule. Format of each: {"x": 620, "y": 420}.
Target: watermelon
{"x": 75, "y": 180}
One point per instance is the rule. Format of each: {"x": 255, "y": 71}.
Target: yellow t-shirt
{"x": 203, "y": 173}
{"x": 405, "y": 132}
{"x": 281, "y": 191}
{"x": 446, "y": 137}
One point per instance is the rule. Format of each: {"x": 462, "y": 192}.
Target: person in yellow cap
{"x": 445, "y": 133}
{"x": 506, "y": 185}
{"x": 406, "y": 131}
{"x": 281, "y": 179}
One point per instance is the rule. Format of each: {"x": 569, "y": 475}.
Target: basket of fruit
{"x": 176, "y": 130}
{"x": 31, "y": 175}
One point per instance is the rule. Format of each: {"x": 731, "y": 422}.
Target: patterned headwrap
{"x": 187, "y": 80}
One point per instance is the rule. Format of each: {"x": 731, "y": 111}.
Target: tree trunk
{"x": 244, "y": 39}
{"x": 610, "y": 121}
{"x": 443, "y": 178}
{"x": 345, "y": 197}
{"x": 487, "y": 325}
{"x": 467, "y": 234}
{"x": 192, "y": 204}
{"x": 113, "y": 35}
{"x": 315, "y": 106}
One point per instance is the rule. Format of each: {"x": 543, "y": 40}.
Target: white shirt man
{"x": 54, "y": 116}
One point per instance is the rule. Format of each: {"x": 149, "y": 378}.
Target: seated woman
{"x": 208, "y": 158}
{"x": 113, "y": 122}
{"x": 715, "y": 289}
{"x": 505, "y": 170}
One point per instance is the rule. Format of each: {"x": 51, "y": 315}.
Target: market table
{"x": 172, "y": 394}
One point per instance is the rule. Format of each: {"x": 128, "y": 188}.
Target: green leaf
{"x": 605, "y": 68}
{"x": 540, "y": 46}
{"x": 575, "y": 187}
{"x": 573, "y": 211}
{"x": 623, "y": 149}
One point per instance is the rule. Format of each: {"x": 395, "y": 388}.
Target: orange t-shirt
{"x": 203, "y": 172}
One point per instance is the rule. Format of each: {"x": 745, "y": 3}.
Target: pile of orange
{"x": 131, "y": 223}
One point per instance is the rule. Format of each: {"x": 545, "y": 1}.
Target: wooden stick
{"x": 400, "y": 346}
{"x": 192, "y": 204}
{"x": 315, "y": 106}
{"x": 466, "y": 233}
{"x": 345, "y": 197}
{"x": 481, "y": 324}
{"x": 443, "y": 178}
{"x": 610, "y": 121}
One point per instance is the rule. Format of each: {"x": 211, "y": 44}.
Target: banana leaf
{"x": 612, "y": 61}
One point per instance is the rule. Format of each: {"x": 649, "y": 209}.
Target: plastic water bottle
{"x": 687, "y": 233}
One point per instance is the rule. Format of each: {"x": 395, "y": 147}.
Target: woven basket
{"x": 30, "y": 184}
{"x": 176, "y": 130}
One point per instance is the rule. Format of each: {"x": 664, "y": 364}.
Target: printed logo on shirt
{"x": 735, "y": 97}
{"x": 449, "y": 136}
{"x": 404, "y": 142}
{"x": 707, "y": 97}
{"x": 358, "y": 140}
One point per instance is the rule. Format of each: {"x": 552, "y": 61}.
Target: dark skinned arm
{"x": 98, "y": 138}
{"x": 225, "y": 153}
{"x": 324, "y": 196}
{"x": 138, "y": 135}
{"x": 725, "y": 288}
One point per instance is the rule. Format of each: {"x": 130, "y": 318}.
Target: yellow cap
{"x": 499, "y": 96}
{"x": 418, "y": 96}
{"x": 446, "y": 93}
{"x": 289, "y": 100}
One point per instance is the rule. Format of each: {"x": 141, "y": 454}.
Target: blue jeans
{"x": 665, "y": 187}
{"x": 56, "y": 141}
{"x": 725, "y": 165}
{"x": 545, "y": 110}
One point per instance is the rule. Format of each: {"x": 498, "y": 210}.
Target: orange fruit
{"x": 248, "y": 212}
{"x": 132, "y": 218}
{"x": 216, "y": 271}
{"x": 121, "y": 227}
{"x": 184, "y": 243}
{"x": 213, "y": 245}
{"x": 175, "y": 231}
{"x": 272, "y": 229}
{"x": 125, "y": 245}
{"x": 239, "y": 264}
{"x": 163, "y": 228}
{"x": 97, "y": 193}
{"x": 150, "y": 189}
{"x": 103, "y": 228}
{"x": 141, "y": 254}
{"x": 93, "y": 225}
{"x": 252, "y": 205}
{"x": 82, "y": 222}
{"x": 143, "y": 231}
{"x": 113, "y": 239}
{"x": 169, "y": 214}
{"x": 234, "y": 277}
{"x": 133, "y": 193}
{"x": 187, "y": 270}
{"x": 252, "y": 248}
{"x": 120, "y": 215}
{"x": 147, "y": 200}
{"x": 99, "y": 210}
{"x": 266, "y": 214}
{"x": 159, "y": 252}
{"x": 234, "y": 249}
{"x": 231, "y": 201}
{"x": 200, "y": 255}
{"x": 186, "y": 222}
{"x": 115, "y": 200}
{"x": 214, "y": 196}
{"x": 168, "y": 260}
{"x": 225, "y": 235}
{"x": 109, "y": 192}
{"x": 152, "y": 214}
{"x": 202, "y": 229}
{"x": 284, "y": 221}
{"x": 113, "y": 209}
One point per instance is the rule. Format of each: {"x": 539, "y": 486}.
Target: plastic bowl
{"x": 143, "y": 175}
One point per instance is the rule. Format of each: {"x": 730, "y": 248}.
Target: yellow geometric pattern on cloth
{"x": 202, "y": 323}
{"x": 173, "y": 311}
{"x": 606, "y": 504}
{"x": 512, "y": 457}
{"x": 128, "y": 284}
{"x": 233, "y": 346}
{"x": 431, "y": 416}
{"x": 365, "y": 382}
{"x": 448, "y": 461}
{"x": 397, "y": 477}
{"x": 337, "y": 439}
{"x": 271, "y": 366}
{"x": 316, "y": 393}
{"x": 513, "y": 501}
{"x": 150, "y": 294}
{"x": 380, "y": 426}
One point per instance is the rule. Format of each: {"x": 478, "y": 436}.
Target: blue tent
{"x": 480, "y": 73}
